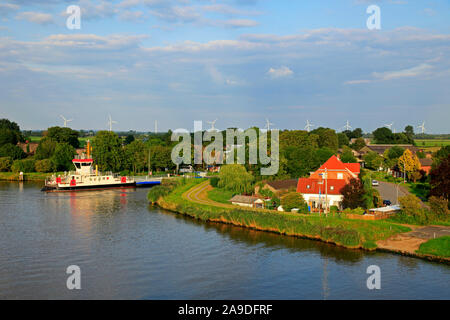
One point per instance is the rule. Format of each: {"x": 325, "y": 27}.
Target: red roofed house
{"x": 336, "y": 169}
{"x": 324, "y": 185}
{"x": 315, "y": 194}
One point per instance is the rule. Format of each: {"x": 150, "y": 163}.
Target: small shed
{"x": 247, "y": 201}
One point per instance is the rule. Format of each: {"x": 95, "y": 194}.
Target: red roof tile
{"x": 312, "y": 186}
{"x": 335, "y": 164}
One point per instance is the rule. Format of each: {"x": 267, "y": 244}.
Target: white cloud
{"x": 280, "y": 72}
{"x": 404, "y": 73}
{"x": 7, "y": 8}
{"x": 35, "y": 17}
{"x": 240, "y": 23}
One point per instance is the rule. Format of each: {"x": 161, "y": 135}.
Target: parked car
{"x": 375, "y": 183}
{"x": 387, "y": 202}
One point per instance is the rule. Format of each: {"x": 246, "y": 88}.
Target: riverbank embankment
{"x": 190, "y": 198}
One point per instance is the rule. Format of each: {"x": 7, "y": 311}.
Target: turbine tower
{"x": 347, "y": 126}
{"x": 156, "y": 126}
{"x": 268, "y": 124}
{"x": 110, "y": 123}
{"x": 212, "y": 123}
{"x": 308, "y": 126}
{"x": 422, "y": 127}
{"x": 65, "y": 120}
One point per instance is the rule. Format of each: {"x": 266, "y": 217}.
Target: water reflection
{"x": 273, "y": 241}
{"x": 127, "y": 249}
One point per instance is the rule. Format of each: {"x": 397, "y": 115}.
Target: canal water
{"x": 127, "y": 249}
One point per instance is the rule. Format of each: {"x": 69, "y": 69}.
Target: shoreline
{"x": 175, "y": 207}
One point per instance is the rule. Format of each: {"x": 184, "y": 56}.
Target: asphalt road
{"x": 388, "y": 191}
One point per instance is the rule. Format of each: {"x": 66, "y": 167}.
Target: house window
{"x": 308, "y": 186}
{"x": 340, "y": 176}
{"x": 331, "y": 187}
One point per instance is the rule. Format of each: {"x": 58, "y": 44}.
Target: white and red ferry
{"x": 85, "y": 177}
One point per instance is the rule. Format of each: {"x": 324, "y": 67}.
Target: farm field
{"x": 432, "y": 142}
{"x": 82, "y": 140}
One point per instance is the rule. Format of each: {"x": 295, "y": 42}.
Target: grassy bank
{"x": 32, "y": 176}
{"x": 340, "y": 231}
{"x": 220, "y": 195}
{"x": 437, "y": 247}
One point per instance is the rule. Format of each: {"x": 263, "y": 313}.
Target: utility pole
{"x": 149, "y": 167}
{"x": 326, "y": 192}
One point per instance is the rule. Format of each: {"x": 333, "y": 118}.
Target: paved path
{"x": 388, "y": 191}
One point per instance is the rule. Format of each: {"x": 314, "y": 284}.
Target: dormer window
{"x": 340, "y": 176}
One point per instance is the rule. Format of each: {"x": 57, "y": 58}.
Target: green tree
{"x": 63, "y": 156}
{"x": 234, "y": 177}
{"x": 372, "y": 160}
{"x": 64, "y": 135}
{"x": 347, "y": 156}
{"x": 161, "y": 158}
{"x": 383, "y": 135}
{"x": 46, "y": 148}
{"x": 12, "y": 151}
{"x": 395, "y": 152}
{"x": 343, "y": 140}
{"x": 129, "y": 139}
{"x": 358, "y": 144}
{"x": 7, "y": 136}
{"x": 293, "y": 200}
{"x": 10, "y": 132}
{"x": 327, "y": 138}
{"x": 136, "y": 155}
{"x": 107, "y": 151}
{"x": 45, "y": 165}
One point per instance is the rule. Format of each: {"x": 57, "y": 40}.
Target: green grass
{"x": 82, "y": 140}
{"x": 341, "y": 231}
{"x": 437, "y": 247}
{"x": 432, "y": 142}
{"x": 220, "y": 195}
{"x": 32, "y": 176}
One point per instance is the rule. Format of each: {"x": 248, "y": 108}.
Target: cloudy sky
{"x": 240, "y": 61}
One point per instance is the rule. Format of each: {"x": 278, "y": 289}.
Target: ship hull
{"x": 89, "y": 187}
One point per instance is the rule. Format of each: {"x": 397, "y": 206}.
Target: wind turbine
{"x": 308, "y": 126}
{"x": 389, "y": 126}
{"x": 65, "y": 120}
{"x": 422, "y": 127}
{"x": 268, "y": 124}
{"x": 212, "y": 123}
{"x": 347, "y": 126}
{"x": 110, "y": 123}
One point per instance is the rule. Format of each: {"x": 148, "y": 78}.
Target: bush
{"x": 214, "y": 181}
{"x": 164, "y": 189}
{"x": 26, "y": 165}
{"x": 334, "y": 209}
{"x": 5, "y": 164}
{"x": 439, "y": 207}
{"x": 45, "y": 165}
{"x": 294, "y": 200}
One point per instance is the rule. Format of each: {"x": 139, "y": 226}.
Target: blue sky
{"x": 240, "y": 61}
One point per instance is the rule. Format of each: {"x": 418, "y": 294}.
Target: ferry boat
{"x": 85, "y": 177}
